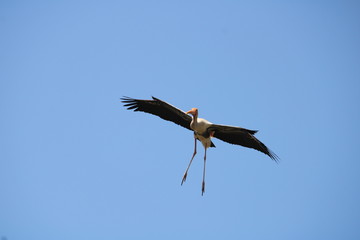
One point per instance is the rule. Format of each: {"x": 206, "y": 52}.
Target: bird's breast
{"x": 200, "y": 125}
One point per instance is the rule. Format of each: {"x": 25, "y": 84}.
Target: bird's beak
{"x": 190, "y": 112}
{"x": 193, "y": 111}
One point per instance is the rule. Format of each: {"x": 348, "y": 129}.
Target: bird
{"x": 203, "y": 130}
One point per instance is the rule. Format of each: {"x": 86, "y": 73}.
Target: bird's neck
{"x": 194, "y": 122}
{"x": 195, "y": 117}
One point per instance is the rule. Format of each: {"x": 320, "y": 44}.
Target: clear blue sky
{"x": 76, "y": 165}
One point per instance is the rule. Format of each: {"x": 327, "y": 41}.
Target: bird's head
{"x": 193, "y": 111}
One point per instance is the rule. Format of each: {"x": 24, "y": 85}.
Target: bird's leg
{"x": 185, "y": 174}
{"x": 203, "y": 182}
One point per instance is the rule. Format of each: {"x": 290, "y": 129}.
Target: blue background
{"x": 76, "y": 165}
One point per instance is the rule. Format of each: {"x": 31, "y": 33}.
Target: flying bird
{"x": 203, "y": 129}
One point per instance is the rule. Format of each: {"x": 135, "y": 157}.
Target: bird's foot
{"x": 184, "y": 178}
{"x": 203, "y": 188}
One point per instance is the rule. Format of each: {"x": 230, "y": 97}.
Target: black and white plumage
{"x": 203, "y": 129}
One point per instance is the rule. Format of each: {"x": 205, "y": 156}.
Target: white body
{"x": 200, "y": 125}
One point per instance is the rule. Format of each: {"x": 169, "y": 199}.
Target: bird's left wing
{"x": 159, "y": 108}
{"x": 240, "y": 136}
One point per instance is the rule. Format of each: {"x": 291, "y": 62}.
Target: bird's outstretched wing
{"x": 159, "y": 108}
{"x": 241, "y": 136}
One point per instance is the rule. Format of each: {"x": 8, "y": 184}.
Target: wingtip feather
{"x": 273, "y": 156}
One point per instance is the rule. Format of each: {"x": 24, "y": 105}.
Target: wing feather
{"x": 241, "y": 136}
{"x": 159, "y": 108}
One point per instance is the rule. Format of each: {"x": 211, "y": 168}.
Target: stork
{"x": 203, "y": 129}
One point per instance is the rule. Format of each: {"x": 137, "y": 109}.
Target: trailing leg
{"x": 187, "y": 169}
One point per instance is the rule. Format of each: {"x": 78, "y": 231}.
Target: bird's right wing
{"x": 159, "y": 108}
{"x": 240, "y": 136}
